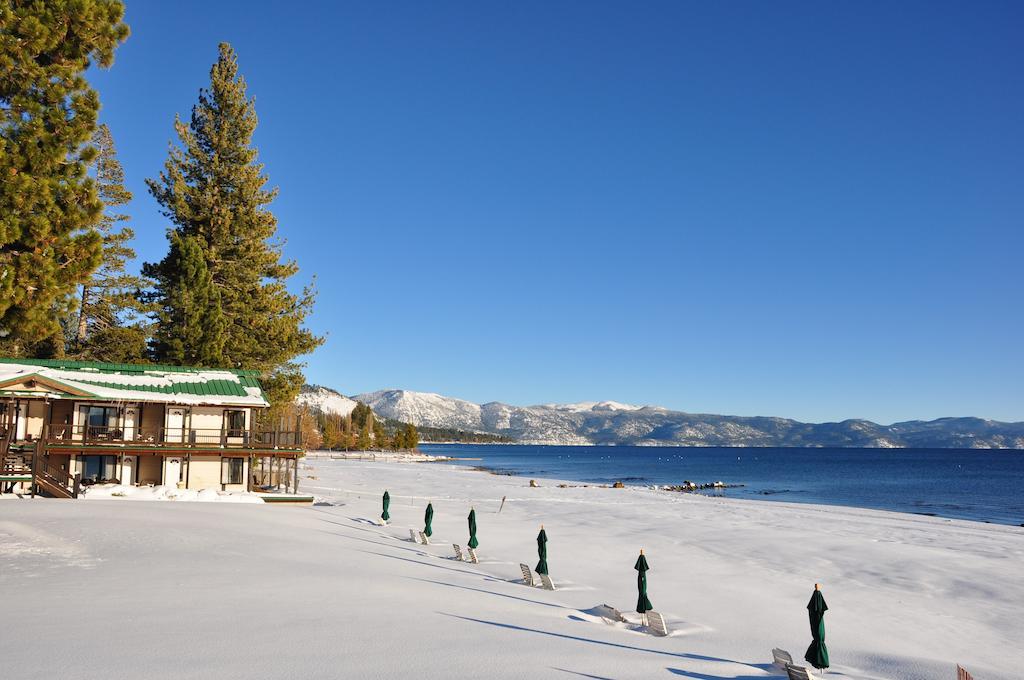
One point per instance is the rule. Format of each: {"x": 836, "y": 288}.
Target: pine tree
{"x": 411, "y": 438}
{"x": 110, "y": 311}
{"x": 191, "y": 321}
{"x": 212, "y": 188}
{"x": 48, "y": 203}
{"x": 363, "y": 442}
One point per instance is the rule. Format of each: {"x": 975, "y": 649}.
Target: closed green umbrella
{"x": 542, "y": 550}
{"x": 817, "y": 653}
{"x": 473, "y": 543}
{"x": 427, "y": 519}
{"x": 387, "y": 501}
{"x": 643, "y": 605}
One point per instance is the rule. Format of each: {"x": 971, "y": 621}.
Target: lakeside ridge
{"x": 614, "y": 424}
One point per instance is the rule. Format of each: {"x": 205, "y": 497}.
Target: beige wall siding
{"x": 152, "y": 421}
{"x": 149, "y": 469}
{"x": 204, "y": 472}
{"x": 34, "y": 412}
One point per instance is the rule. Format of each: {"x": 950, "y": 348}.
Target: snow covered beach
{"x": 121, "y": 589}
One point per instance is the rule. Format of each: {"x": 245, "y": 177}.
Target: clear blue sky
{"x": 810, "y": 210}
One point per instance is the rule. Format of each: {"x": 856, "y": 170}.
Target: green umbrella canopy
{"x": 643, "y": 605}
{"x": 473, "y": 543}
{"x": 428, "y": 517}
{"x": 817, "y": 653}
{"x": 542, "y": 551}
{"x": 387, "y": 501}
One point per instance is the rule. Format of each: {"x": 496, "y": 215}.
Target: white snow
{"x": 114, "y": 590}
{"x": 326, "y": 400}
{"x": 118, "y": 385}
{"x": 166, "y": 493}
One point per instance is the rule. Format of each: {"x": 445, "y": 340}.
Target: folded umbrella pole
{"x": 817, "y": 653}
{"x": 387, "y": 501}
{"x": 542, "y": 551}
{"x": 428, "y": 517}
{"x": 473, "y": 543}
{"x": 643, "y": 604}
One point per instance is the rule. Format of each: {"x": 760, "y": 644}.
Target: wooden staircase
{"x": 56, "y": 482}
{"x": 46, "y": 477}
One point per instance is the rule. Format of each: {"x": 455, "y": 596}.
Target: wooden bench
{"x": 424, "y": 539}
{"x": 458, "y": 551}
{"x": 545, "y": 582}
{"x": 656, "y": 624}
{"x": 527, "y": 574}
{"x": 962, "y": 674}
{"x": 799, "y": 673}
{"x": 781, "y": 657}
{"x": 472, "y": 556}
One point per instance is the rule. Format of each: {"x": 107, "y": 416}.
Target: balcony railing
{"x": 176, "y": 437}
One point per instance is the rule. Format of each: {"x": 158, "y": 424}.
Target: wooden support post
{"x": 35, "y": 468}
{"x": 296, "y": 489}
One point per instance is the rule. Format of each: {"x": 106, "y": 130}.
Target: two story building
{"x": 71, "y": 423}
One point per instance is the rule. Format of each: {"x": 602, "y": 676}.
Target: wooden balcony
{"x": 60, "y": 435}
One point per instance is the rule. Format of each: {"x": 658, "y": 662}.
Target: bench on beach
{"x": 413, "y": 537}
{"x": 799, "y": 673}
{"x": 424, "y": 539}
{"x": 545, "y": 582}
{"x": 962, "y": 674}
{"x": 472, "y": 556}
{"x": 656, "y": 624}
{"x": 458, "y": 551}
{"x": 781, "y": 657}
{"x": 527, "y": 574}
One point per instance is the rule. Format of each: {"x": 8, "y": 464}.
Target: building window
{"x": 97, "y": 469}
{"x": 101, "y": 421}
{"x": 234, "y": 423}
{"x": 231, "y": 470}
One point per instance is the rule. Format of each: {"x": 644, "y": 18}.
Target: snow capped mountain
{"x": 325, "y": 399}
{"x": 424, "y": 408}
{"x": 613, "y": 423}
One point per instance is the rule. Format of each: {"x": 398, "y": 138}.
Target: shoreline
{"x": 789, "y": 493}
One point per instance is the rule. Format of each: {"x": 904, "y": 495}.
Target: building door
{"x": 175, "y": 431}
{"x": 172, "y": 471}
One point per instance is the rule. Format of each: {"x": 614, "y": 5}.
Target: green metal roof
{"x": 104, "y": 367}
{"x": 210, "y": 388}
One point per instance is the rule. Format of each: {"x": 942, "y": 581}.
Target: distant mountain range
{"x": 613, "y": 424}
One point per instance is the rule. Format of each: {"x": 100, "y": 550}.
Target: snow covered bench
{"x": 458, "y": 551}
{"x": 962, "y": 674}
{"x": 545, "y": 582}
{"x": 413, "y": 537}
{"x": 781, "y": 657}
{"x": 472, "y": 556}
{"x": 424, "y": 539}
{"x": 527, "y": 574}
{"x": 799, "y": 673}
{"x": 656, "y": 623}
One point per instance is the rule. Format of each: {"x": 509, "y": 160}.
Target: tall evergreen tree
{"x": 191, "y": 308}
{"x": 212, "y": 188}
{"x": 48, "y": 203}
{"x": 110, "y": 313}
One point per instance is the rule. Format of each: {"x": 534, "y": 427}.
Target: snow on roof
{"x": 136, "y": 382}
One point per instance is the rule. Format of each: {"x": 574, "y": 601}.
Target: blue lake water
{"x": 983, "y": 485}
